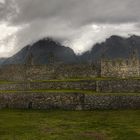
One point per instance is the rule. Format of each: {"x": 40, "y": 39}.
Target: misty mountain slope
{"x": 113, "y": 47}
{"x": 2, "y": 60}
{"x": 44, "y": 51}
{"x": 18, "y": 58}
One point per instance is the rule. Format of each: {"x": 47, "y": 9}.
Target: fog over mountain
{"x": 75, "y": 23}
{"x": 49, "y": 51}
{"x": 44, "y": 51}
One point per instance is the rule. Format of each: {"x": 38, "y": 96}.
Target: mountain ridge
{"x": 42, "y": 51}
{"x": 46, "y": 51}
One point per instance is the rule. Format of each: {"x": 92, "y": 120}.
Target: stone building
{"x": 121, "y": 68}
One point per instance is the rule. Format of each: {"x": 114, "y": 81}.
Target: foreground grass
{"x": 69, "y": 125}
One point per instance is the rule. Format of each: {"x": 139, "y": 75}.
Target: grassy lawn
{"x": 69, "y": 125}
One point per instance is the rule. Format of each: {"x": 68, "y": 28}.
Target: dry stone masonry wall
{"x": 98, "y": 86}
{"x": 28, "y": 86}
{"x": 122, "y": 68}
{"x": 46, "y": 72}
{"x": 67, "y": 101}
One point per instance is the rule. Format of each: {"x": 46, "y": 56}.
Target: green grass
{"x": 89, "y": 92}
{"x": 50, "y": 91}
{"x": 71, "y": 80}
{"x": 69, "y": 125}
{"x": 87, "y": 79}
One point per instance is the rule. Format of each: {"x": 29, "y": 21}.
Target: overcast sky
{"x": 76, "y": 23}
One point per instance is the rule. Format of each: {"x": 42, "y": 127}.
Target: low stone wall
{"x": 119, "y": 86}
{"x": 111, "y": 102}
{"x": 47, "y": 72}
{"x": 75, "y": 85}
{"x": 67, "y": 101}
{"x": 100, "y": 86}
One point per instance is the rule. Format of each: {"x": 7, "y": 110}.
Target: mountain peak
{"x": 114, "y": 38}
{"x": 47, "y": 42}
{"x": 47, "y": 50}
{"x": 114, "y": 47}
{"x": 44, "y": 51}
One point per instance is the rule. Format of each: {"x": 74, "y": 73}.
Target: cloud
{"x": 2, "y": 1}
{"x": 79, "y": 11}
{"x": 89, "y": 35}
{"x": 7, "y": 39}
{"x": 76, "y": 23}
{"x": 8, "y": 10}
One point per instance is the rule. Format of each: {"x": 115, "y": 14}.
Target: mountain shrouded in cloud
{"x": 46, "y": 51}
{"x": 75, "y": 23}
{"x": 115, "y": 47}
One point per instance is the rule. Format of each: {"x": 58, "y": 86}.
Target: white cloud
{"x": 84, "y": 39}
{"x": 7, "y": 39}
{"x": 2, "y": 1}
{"x": 76, "y": 23}
{"x": 79, "y": 39}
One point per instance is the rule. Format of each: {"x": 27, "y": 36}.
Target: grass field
{"x": 69, "y": 125}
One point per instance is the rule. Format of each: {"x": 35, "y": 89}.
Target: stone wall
{"x": 46, "y": 72}
{"x": 119, "y": 86}
{"x": 99, "y": 86}
{"x": 122, "y": 68}
{"x": 67, "y": 101}
{"x": 13, "y": 73}
{"x": 79, "y": 85}
{"x": 111, "y": 102}
{"x": 77, "y": 71}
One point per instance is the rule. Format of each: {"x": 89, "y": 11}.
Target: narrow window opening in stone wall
{"x": 30, "y": 105}
{"x": 7, "y": 105}
{"x": 127, "y": 62}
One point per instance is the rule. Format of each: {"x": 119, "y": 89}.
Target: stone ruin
{"x": 121, "y": 68}
{"x": 118, "y": 68}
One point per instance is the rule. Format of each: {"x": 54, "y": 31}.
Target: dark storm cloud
{"x": 7, "y": 10}
{"x": 78, "y": 11}
{"x": 77, "y": 22}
